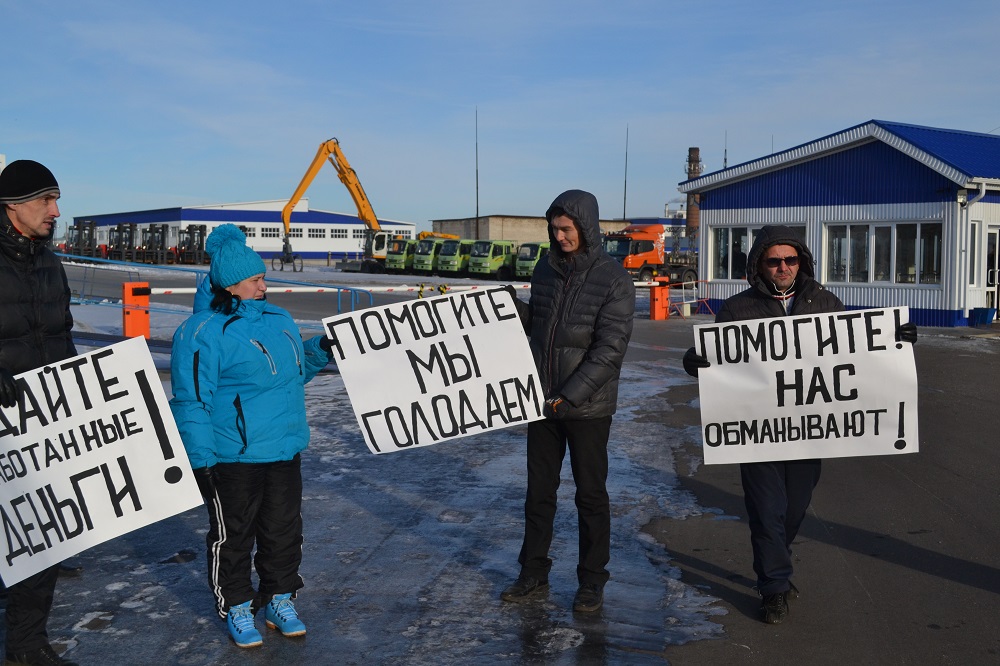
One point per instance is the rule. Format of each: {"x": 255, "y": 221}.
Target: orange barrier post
{"x": 659, "y": 300}
{"x": 135, "y": 311}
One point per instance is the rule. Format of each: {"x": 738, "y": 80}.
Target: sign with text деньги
{"x": 91, "y": 452}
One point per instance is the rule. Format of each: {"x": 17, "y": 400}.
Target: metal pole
{"x": 625, "y": 192}
{"x": 477, "y": 171}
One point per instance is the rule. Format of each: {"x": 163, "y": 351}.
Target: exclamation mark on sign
{"x": 172, "y": 474}
{"x": 899, "y": 345}
{"x": 901, "y": 443}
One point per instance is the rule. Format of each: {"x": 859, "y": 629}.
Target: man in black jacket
{"x": 35, "y": 323}
{"x": 777, "y": 494}
{"x": 579, "y": 320}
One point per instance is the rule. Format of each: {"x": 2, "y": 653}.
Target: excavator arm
{"x": 375, "y": 238}
{"x": 330, "y": 150}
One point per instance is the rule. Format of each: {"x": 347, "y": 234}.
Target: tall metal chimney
{"x": 694, "y": 169}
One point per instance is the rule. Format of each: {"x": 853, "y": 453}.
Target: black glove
{"x": 205, "y": 476}
{"x": 326, "y": 344}
{"x": 554, "y": 407}
{"x": 510, "y": 290}
{"x": 693, "y": 362}
{"x": 907, "y": 332}
{"x": 9, "y": 392}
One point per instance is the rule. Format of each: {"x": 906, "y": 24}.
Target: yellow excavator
{"x": 376, "y": 240}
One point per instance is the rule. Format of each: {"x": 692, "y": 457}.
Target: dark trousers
{"x": 254, "y": 503}
{"x": 588, "y": 454}
{"x": 777, "y": 495}
{"x": 28, "y": 605}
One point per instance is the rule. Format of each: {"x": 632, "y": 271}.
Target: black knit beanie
{"x": 24, "y": 180}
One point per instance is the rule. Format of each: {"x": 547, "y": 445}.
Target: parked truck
{"x": 399, "y": 255}
{"x": 528, "y": 257}
{"x": 655, "y": 250}
{"x": 453, "y": 259}
{"x": 426, "y": 255}
{"x": 493, "y": 258}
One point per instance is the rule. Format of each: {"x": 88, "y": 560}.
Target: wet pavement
{"x": 406, "y": 554}
{"x": 405, "y": 558}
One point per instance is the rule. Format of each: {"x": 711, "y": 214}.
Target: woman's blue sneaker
{"x": 241, "y": 626}
{"x": 280, "y": 614}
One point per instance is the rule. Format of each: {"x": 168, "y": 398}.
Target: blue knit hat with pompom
{"x": 232, "y": 260}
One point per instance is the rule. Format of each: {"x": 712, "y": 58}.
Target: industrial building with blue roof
{"x": 895, "y": 214}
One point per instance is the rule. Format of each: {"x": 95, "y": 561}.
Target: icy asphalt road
{"x": 406, "y": 554}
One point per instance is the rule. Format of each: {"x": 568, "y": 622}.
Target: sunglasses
{"x": 774, "y": 262}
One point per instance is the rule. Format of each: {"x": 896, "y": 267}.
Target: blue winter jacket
{"x": 239, "y": 384}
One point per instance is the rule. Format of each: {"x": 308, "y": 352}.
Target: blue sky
{"x": 137, "y": 105}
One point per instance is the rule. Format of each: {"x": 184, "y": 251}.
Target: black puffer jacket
{"x": 758, "y": 301}
{"x": 580, "y": 317}
{"x": 35, "y": 319}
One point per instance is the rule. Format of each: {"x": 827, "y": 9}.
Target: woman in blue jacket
{"x": 238, "y": 371}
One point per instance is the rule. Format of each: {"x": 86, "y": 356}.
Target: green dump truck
{"x": 399, "y": 255}
{"x": 453, "y": 259}
{"x": 425, "y": 257}
{"x": 528, "y": 257}
{"x": 493, "y": 258}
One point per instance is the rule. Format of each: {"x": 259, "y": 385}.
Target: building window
{"x": 731, "y": 246}
{"x": 270, "y": 232}
{"x": 914, "y": 250}
{"x": 906, "y": 253}
{"x": 358, "y": 233}
{"x": 930, "y": 254}
{"x": 338, "y": 232}
{"x": 882, "y": 254}
{"x": 295, "y": 232}
{"x": 317, "y": 233}
{"x": 853, "y": 250}
{"x": 251, "y": 232}
{"x": 859, "y": 253}
{"x": 720, "y": 253}
{"x": 836, "y": 253}
{"x": 973, "y": 255}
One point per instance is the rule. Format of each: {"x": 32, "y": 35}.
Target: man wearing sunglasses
{"x": 782, "y": 282}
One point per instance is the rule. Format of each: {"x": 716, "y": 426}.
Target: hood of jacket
{"x": 774, "y": 234}
{"x": 582, "y": 207}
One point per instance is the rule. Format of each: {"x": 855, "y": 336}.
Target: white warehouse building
{"x": 314, "y": 234}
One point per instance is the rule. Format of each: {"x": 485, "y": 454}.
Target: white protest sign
{"x": 817, "y": 386}
{"x": 425, "y": 371}
{"x": 91, "y": 452}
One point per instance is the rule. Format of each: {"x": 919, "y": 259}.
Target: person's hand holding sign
{"x": 8, "y": 388}
{"x": 693, "y": 362}
{"x": 907, "y": 332}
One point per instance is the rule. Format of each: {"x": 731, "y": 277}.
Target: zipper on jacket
{"x": 295, "y": 350}
{"x": 552, "y": 335}
{"x": 270, "y": 361}
{"x": 241, "y": 422}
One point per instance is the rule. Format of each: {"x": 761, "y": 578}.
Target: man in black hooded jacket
{"x": 777, "y": 494}
{"x": 35, "y": 323}
{"x": 579, "y": 321}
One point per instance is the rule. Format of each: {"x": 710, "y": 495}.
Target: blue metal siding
{"x": 873, "y": 173}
